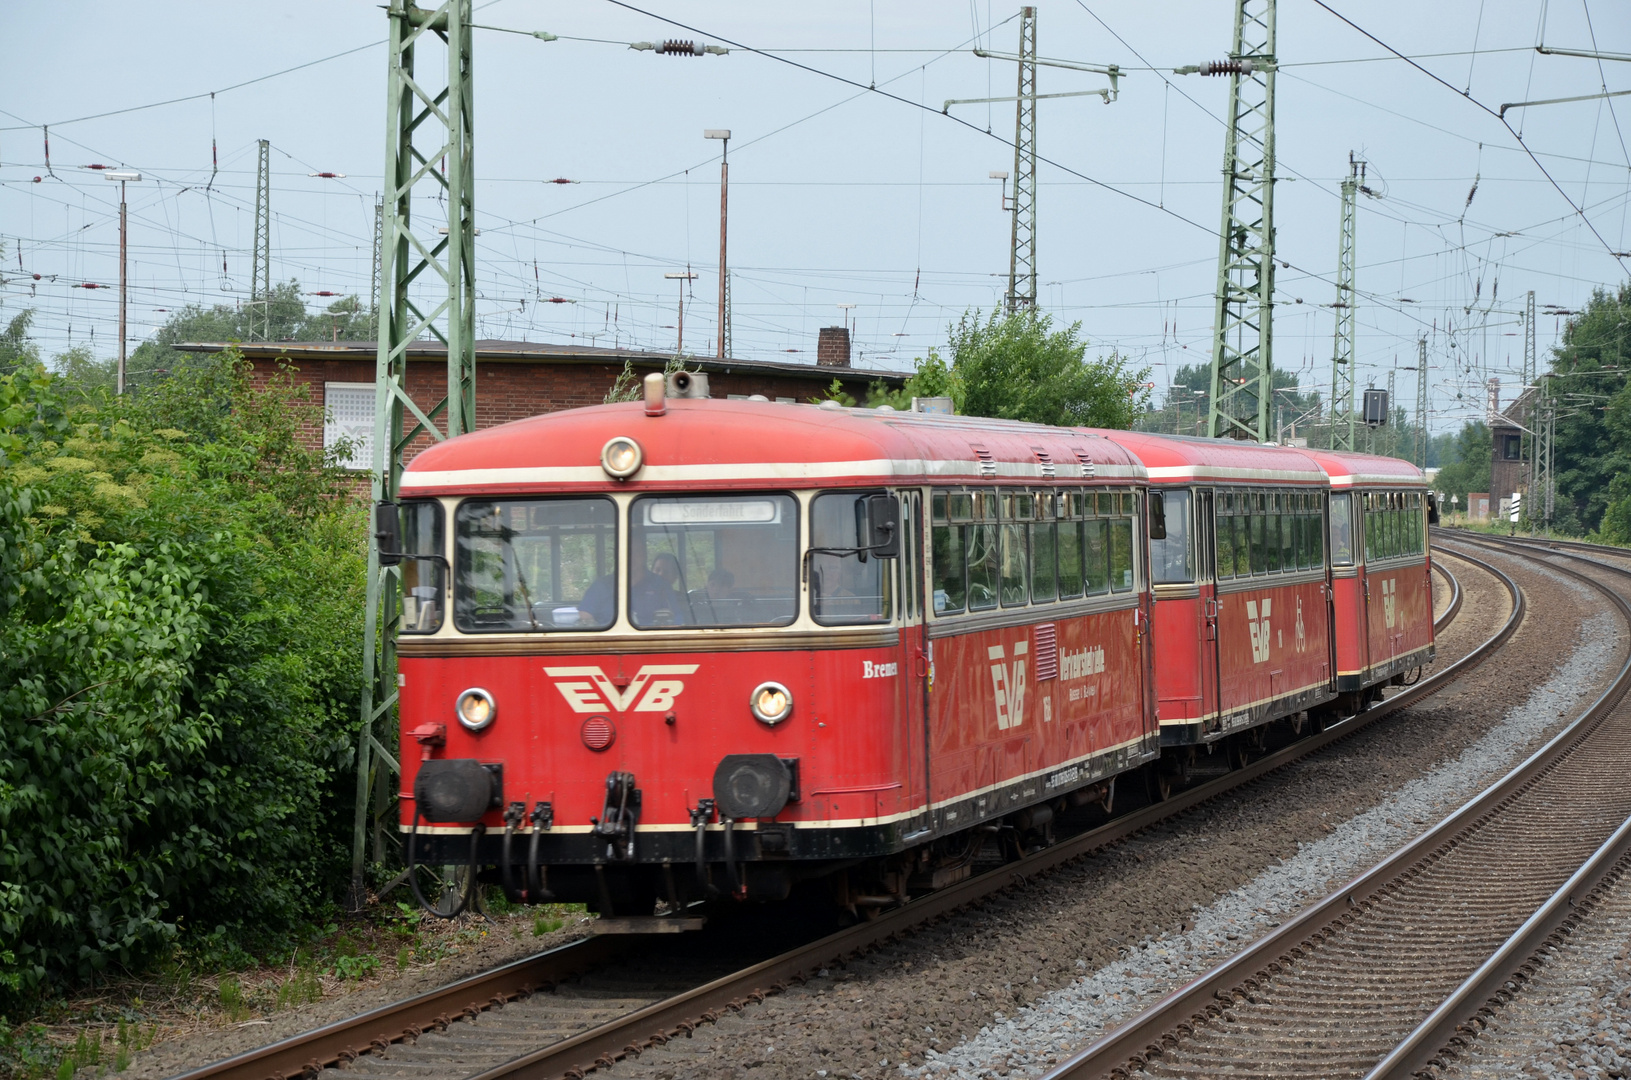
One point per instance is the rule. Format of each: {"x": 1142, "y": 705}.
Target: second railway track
{"x": 1380, "y": 976}
{"x": 569, "y": 1011}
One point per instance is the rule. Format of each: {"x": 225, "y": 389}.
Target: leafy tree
{"x": 1593, "y": 427}
{"x": 180, "y": 624}
{"x": 284, "y": 317}
{"x": 1017, "y": 367}
{"x": 16, "y": 351}
{"x": 1469, "y": 467}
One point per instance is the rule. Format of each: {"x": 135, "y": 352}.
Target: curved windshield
{"x": 713, "y": 560}
{"x": 535, "y": 565}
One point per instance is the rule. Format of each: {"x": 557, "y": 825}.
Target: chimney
{"x": 832, "y": 347}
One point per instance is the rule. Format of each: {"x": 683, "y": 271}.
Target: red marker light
{"x": 37, "y": 179}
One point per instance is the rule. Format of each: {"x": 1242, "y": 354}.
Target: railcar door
{"x": 1206, "y": 555}
{"x": 915, "y": 660}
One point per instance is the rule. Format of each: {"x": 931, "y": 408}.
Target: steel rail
{"x": 1157, "y": 1029}
{"x": 655, "y": 1024}
{"x": 1453, "y": 608}
{"x": 344, "y": 1040}
{"x": 1452, "y": 1023}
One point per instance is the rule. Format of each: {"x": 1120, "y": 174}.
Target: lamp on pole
{"x": 124, "y": 177}
{"x": 682, "y": 277}
{"x": 724, "y": 137}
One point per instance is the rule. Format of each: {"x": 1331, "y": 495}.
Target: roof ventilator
{"x": 1046, "y": 461}
{"x": 1084, "y": 460}
{"x": 988, "y": 464}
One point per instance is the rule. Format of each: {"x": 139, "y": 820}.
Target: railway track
{"x": 573, "y": 1009}
{"x": 1389, "y": 974}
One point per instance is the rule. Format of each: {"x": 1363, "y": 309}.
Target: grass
{"x": 98, "y": 1030}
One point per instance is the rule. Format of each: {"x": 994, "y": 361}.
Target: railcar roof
{"x": 1347, "y": 469}
{"x": 1179, "y": 457}
{"x": 740, "y": 443}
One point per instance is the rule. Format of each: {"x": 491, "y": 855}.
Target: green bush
{"x": 181, "y": 594}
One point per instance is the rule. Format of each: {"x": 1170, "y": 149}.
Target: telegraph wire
{"x": 1618, "y": 257}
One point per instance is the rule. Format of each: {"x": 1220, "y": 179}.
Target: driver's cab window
{"x": 1342, "y": 532}
{"x": 847, "y": 585}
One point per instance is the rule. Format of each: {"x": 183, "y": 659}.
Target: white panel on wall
{"x": 350, "y": 408}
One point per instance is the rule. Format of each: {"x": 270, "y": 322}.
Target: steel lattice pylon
{"x": 1530, "y": 451}
{"x": 260, "y": 277}
{"x": 1022, "y": 241}
{"x": 1243, "y": 320}
{"x": 1420, "y": 446}
{"x": 427, "y": 285}
{"x": 1540, "y": 502}
{"x": 1343, "y": 417}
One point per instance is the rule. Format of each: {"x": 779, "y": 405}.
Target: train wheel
{"x": 1159, "y": 781}
{"x": 446, "y": 889}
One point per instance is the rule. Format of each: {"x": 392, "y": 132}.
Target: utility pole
{"x": 1343, "y": 416}
{"x": 1243, "y": 316}
{"x": 260, "y": 280}
{"x": 124, "y": 177}
{"x": 682, "y": 278}
{"x": 374, "y": 269}
{"x": 724, "y": 135}
{"x": 1530, "y": 450}
{"x": 1542, "y": 489}
{"x": 1421, "y": 402}
{"x": 1392, "y": 411}
{"x": 1022, "y": 238}
{"x": 424, "y": 128}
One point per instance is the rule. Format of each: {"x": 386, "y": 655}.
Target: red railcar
{"x": 1380, "y": 570}
{"x": 697, "y": 647}
{"x": 1242, "y": 622}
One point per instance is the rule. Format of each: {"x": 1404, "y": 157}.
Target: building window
{"x": 1511, "y": 447}
{"x": 349, "y": 414}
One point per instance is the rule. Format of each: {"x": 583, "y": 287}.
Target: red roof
{"x": 1348, "y": 469}
{"x": 735, "y": 443}
{"x": 1186, "y": 458}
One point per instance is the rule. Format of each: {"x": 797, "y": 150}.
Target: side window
{"x": 1288, "y": 534}
{"x": 982, "y": 566}
{"x": 424, "y": 592}
{"x": 1121, "y": 545}
{"x": 1070, "y": 555}
{"x": 1096, "y": 555}
{"x": 1259, "y": 548}
{"x": 1017, "y": 510}
{"x": 1044, "y": 560}
{"x": 947, "y": 558}
{"x": 1342, "y": 534}
{"x": 1224, "y": 503}
{"x": 1173, "y": 559}
{"x": 843, "y": 589}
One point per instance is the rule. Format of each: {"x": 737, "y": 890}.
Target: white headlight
{"x": 621, "y": 457}
{"x": 476, "y": 708}
{"x": 771, "y": 703}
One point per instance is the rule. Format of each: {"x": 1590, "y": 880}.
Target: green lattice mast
{"x": 1243, "y": 315}
{"x": 427, "y": 286}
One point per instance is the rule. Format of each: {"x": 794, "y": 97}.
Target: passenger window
{"x": 1225, "y": 537}
{"x": 1070, "y": 559}
{"x": 1259, "y": 559}
{"x": 1342, "y": 539}
{"x": 1121, "y": 554}
{"x": 1288, "y": 542}
{"x": 949, "y": 584}
{"x": 1044, "y": 568}
{"x": 1015, "y": 562}
{"x": 982, "y": 567}
{"x": 1172, "y": 560}
{"x": 1096, "y": 555}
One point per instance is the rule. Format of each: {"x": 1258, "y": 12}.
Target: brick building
{"x": 518, "y": 379}
{"x": 1508, "y": 471}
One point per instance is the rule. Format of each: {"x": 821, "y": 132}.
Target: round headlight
{"x": 771, "y": 703}
{"x": 621, "y": 457}
{"x": 476, "y": 708}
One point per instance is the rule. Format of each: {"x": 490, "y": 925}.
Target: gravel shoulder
{"x": 1132, "y": 916}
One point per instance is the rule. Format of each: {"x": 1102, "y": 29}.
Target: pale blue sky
{"x": 838, "y": 195}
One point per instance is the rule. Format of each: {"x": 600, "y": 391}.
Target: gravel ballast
{"x": 1069, "y": 1019}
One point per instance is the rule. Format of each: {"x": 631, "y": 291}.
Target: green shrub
{"x": 181, "y": 587}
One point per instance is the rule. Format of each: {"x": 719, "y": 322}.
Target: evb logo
{"x": 1259, "y": 629}
{"x": 588, "y": 690}
{"x": 1008, "y": 684}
